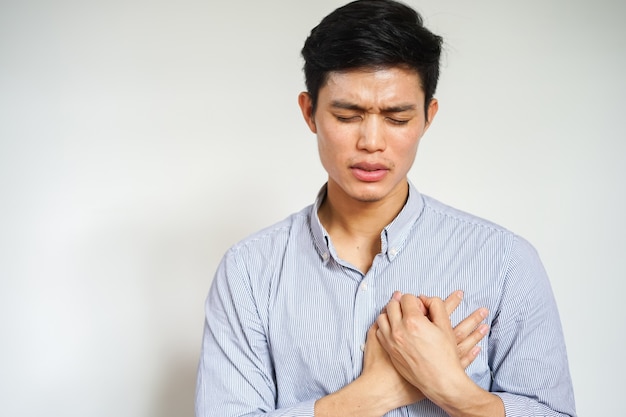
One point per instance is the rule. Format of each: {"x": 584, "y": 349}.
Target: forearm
{"x": 464, "y": 398}
{"x": 361, "y": 399}
{"x": 470, "y": 400}
{"x": 348, "y": 402}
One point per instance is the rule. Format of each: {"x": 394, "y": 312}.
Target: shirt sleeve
{"x": 235, "y": 373}
{"x": 526, "y": 347}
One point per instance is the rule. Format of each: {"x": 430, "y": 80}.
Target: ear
{"x": 433, "y": 107}
{"x": 306, "y": 106}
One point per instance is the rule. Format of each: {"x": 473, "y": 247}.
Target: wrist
{"x": 466, "y": 399}
{"x": 360, "y": 398}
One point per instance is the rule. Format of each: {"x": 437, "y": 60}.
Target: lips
{"x": 369, "y": 172}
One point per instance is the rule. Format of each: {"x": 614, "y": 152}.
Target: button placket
{"x": 364, "y": 314}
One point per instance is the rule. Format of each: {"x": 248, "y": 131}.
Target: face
{"x": 368, "y": 125}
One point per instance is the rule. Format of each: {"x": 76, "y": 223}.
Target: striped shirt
{"x": 286, "y": 318}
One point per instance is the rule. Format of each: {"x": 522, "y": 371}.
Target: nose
{"x": 371, "y": 134}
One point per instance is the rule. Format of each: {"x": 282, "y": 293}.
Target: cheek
{"x": 329, "y": 156}
{"x": 334, "y": 149}
{"x": 333, "y": 141}
{"x": 405, "y": 145}
{"x": 412, "y": 148}
{"x": 323, "y": 148}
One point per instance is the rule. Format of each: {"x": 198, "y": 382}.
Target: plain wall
{"x": 140, "y": 139}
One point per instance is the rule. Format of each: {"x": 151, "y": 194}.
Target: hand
{"x": 423, "y": 347}
{"x": 385, "y": 385}
{"x": 379, "y": 365}
{"x": 468, "y": 332}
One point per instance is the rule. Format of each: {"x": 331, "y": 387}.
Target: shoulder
{"x": 518, "y": 276}
{"x": 272, "y": 240}
{"x": 471, "y": 232}
{"x": 438, "y": 211}
{"x": 249, "y": 267}
{"x": 521, "y": 264}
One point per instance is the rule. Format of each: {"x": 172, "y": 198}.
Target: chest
{"x": 317, "y": 318}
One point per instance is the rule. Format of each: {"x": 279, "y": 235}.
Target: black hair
{"x": 371, "y": 34}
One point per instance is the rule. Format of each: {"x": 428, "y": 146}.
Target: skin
{"x": 369, "y": 123}
{"x": 381, "y": 388}
{"x": 421, "y": 348}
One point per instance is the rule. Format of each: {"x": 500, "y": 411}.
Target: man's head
{"x": 371, "y": 34}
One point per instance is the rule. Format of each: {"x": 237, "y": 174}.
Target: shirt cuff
{"x": 303, "y": 409}
{"x": 516, "y": 405}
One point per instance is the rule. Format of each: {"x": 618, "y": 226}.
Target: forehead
{"x": 375, "y": 86}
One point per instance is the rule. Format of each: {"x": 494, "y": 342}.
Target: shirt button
{"x": 393, "y": 252}
{"x": 364, "y": 286}
{"x": 325, "y": 256}
{"x": 362, "y": 347}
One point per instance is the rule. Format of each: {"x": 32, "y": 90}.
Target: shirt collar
{"x": 393, "y": 236}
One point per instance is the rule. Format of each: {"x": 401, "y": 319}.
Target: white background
{"x": 140, "y": 139}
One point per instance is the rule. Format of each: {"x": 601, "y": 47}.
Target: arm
{"x": 235, "y": 369}
{"x": 526, "y": 349}
{"x": 235, "y": 375}
{"x": 381, "y": 388}
{"x": 422, "y": 347}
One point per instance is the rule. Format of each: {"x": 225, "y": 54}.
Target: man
{"x": 321, "y": 314}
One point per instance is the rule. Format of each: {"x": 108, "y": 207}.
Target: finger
{"x": 397, "y": 295}
{"x": 373, "y": 348}
{"x": 466, "y": 345}
{"x": 372, "y": 339}
{"x": 371, "y": 333}
{"x": 382, "y": 325}
{"x": 394, "y": 312}
{"x": 467, "y": 326}
{"x": 438, "y": 314}
{"x": 453, "y": 301}
{"x": 423, "y": 300}
{"x": 373, "y": 328}
{"x": 469, "y": 357}
{"x": 381, "y": 332}
{"x": 426, "y": 300}
{"x": 412, "y": 306}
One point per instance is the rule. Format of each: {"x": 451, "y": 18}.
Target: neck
{"x": 355, "y": 226}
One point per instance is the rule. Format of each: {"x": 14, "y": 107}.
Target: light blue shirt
{"x": 286, "y": 318}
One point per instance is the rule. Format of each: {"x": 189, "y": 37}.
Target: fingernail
{"x": 484, "y": 312}
{"x": 483, "y": 329}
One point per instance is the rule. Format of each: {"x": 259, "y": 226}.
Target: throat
{"x": 360, "y": 255}
{"x": 355, "y": 230}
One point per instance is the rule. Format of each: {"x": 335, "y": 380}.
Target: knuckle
{"x": 460, "y": 350}
{"x": 459, "y": 334}
{"x": 412, "y": 322}
{"x": 397, "y": 336}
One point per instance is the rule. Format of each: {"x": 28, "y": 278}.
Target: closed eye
{"x": 397, "y": 121}
{"x": 348, "y": 119}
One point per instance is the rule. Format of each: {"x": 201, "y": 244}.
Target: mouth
{"x": 368, "y": 172}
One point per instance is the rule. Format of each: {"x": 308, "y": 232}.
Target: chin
{"x": 368, "y": 198}
{"x": 364, "y": 192}
{"x": 374, "y": 192}
{"x": 369, "y": 195}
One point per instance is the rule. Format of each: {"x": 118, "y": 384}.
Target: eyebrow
{"x": 339, "y": 104}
